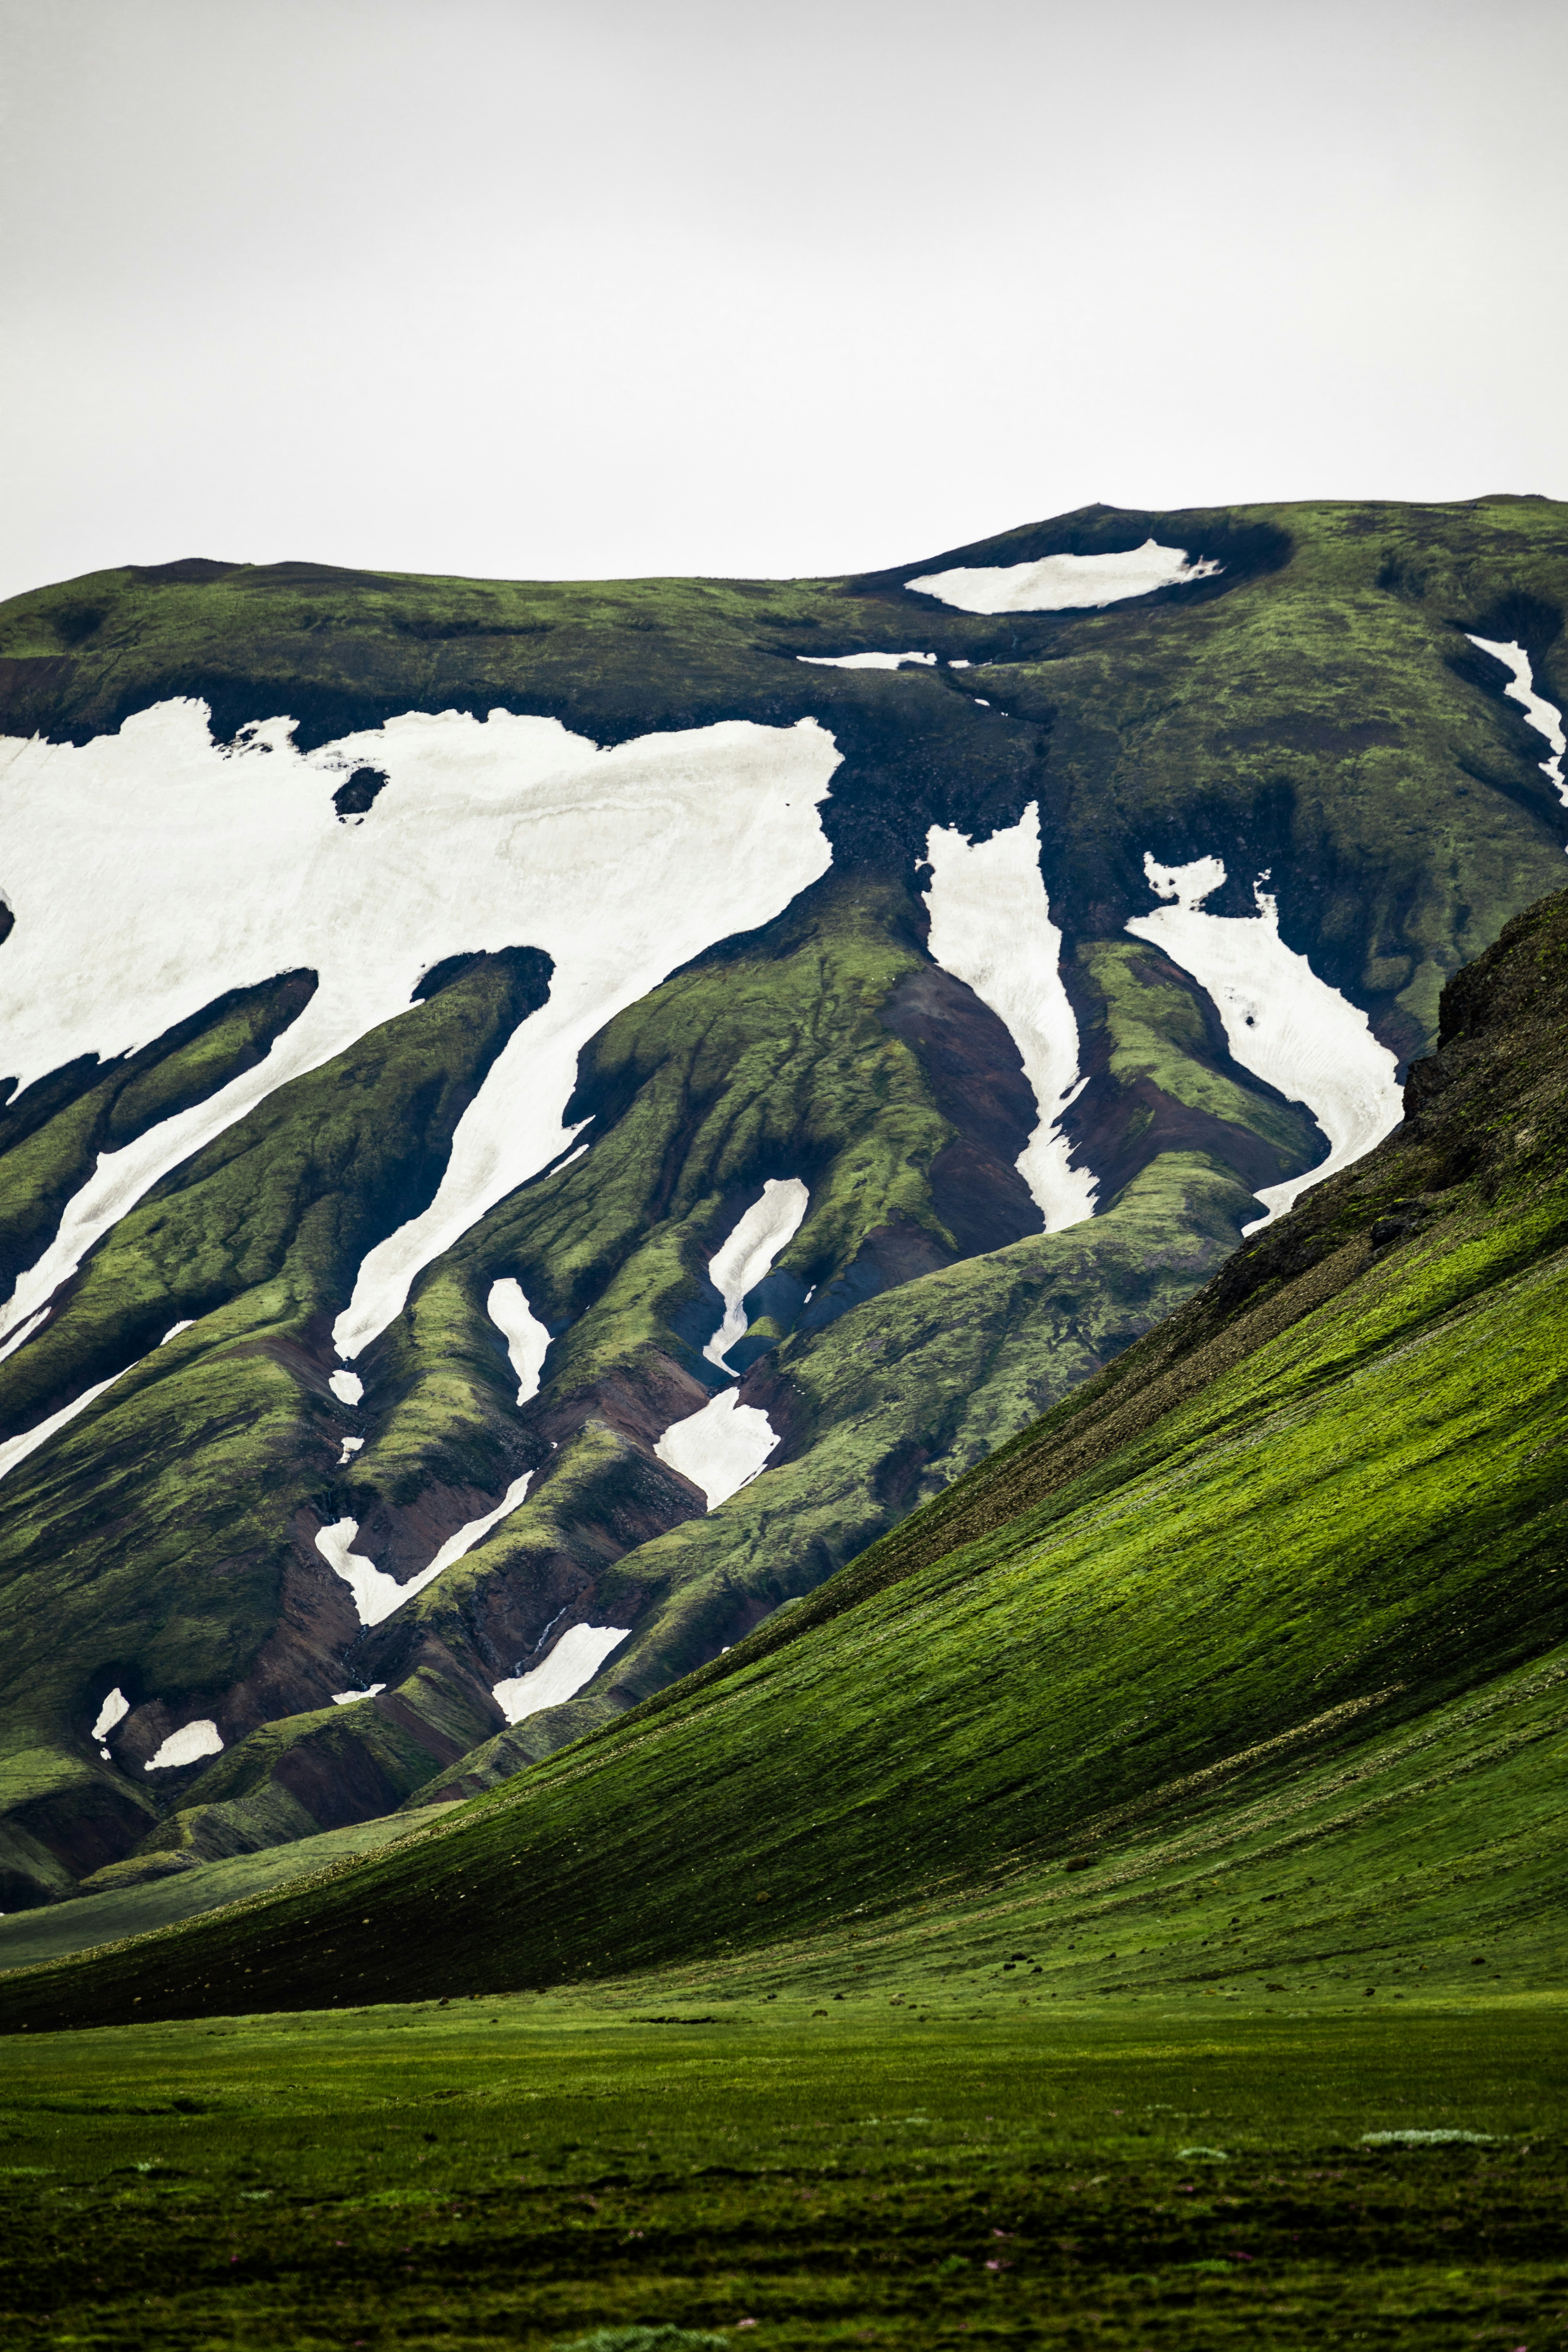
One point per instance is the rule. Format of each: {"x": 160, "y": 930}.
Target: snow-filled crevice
{"x": 720, "y": 1448}
{"x": 355, "y": 1698}
{"x": 151, "y": 870}
{"x": 1281, "y": 1022}
{"x": 991, "y": 927}
{"x": 746, "y": 1256}
{"x": 186, "y": 1746}
{"x": 527, "y": 1339}
{"x": 1544, "y": 716}
{"x": 863, "y": 661}
{"x": 575, "y": 1660}
{"x": 1062, "y": 583}
{"x": 375, "y": 1593}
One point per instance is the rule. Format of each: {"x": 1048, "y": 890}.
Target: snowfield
{"x": 375, "y": 1593}
{"x": 186, "y": 1746}
{"x": 862, "y": 661}
{"x": 1281, "y": 1022}
{"x": 991, "y": 927}
{"x": 575, "y": 1660}
{"x": 152, "y": 869}
{"x": 736, "y": 1267}
{"x": 720, "y": 1448}
{"x": 1544, "y": 716}
{"x": 527, "y": 1340}
{"x": 16, "y": 1449}
{"x": 1062, "y": 583}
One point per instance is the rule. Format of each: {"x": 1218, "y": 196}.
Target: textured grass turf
{"x": 523, "y": 2172}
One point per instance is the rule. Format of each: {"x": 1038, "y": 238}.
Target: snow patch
{"x": 527, "y": 1340}
{"x": 862, "y": 661}
{"x": 736, "y": 1267}
{"x": 353, "y": 1698}
{"x": 151, "y": 869}
{"x": 1062, "y": 583}
{"x": 1544, "y": 716}
{"x": 115, "y": 1710}
{"x": 375, "y": 1593}
{"x": 352, "y": 1446}
{"x": 16, "y": 1449}
{"x": 20, "y": 1335}
{"x": 187, "y": 1746}
{"x": 1281, "y": 1022}
{"x": 991, "y": 927}
{"x": 574, "y": 1660}
{"x": 347, "y": 1387}
{"x": 175, "y": 1330}
{"x": 719, "y": 1448}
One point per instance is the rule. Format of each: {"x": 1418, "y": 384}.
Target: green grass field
{"x": 526, "y": 2171}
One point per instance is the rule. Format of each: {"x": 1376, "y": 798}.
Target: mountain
{"x": 1270, "y": 1612}
{"x": 496, "y": 1065}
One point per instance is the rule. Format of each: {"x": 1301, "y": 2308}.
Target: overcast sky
{"x": 579, "y": 287}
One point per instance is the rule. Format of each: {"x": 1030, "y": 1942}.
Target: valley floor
{"x": 1151, "y": 2170}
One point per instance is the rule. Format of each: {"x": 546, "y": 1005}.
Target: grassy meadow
{"x": 528, "y": 2170}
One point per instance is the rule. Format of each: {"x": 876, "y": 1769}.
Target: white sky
{"x": 575, "y": 288}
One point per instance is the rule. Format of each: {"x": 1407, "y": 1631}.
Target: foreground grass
{"x": 521, "y": 2169}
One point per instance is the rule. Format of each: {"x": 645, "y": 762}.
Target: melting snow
{"x": 1281, "y": 1022}
{"x": 862, "y": 661}
{"x": 719, "y": 1448}
{"x": 353, "y": 1698}
{"x": 527, "y": 1340}
{"x": 175, "y": 1330}
{"x": 352, "y": 1446}
{"x": 991, "y": 927}
{"x": 347, "y": 1387}
{"x": 1062, "y": 583}
{"x": 736, "y": 1267}
{"x": 187, "y": 1746}
{"x": 375, "y": 1593}
{"x": 574, "y": 1660}
{"x": 1544, "y": 716}
{"x": 150, "y": 869}
{"x": 115, "y": 1710}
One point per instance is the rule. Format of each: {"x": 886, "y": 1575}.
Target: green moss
{"x": 539, "y": 2172}
{"x": 1158, "y": 1031}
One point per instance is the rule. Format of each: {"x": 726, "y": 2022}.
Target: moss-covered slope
{"x": 1312, "y": 709}
{"x": 1271, "y": 1608}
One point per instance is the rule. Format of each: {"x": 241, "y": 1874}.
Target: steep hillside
{"x": 552, "y": 1118}
{"x": 1271, "y": 1611}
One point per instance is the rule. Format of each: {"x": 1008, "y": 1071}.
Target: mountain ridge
{"x": 1313, "y": 713}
